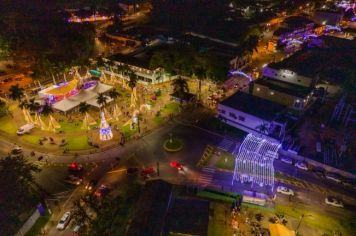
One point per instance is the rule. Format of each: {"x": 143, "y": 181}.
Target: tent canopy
{"x": 88, "y": 96}
{"x": 280, "y": 230}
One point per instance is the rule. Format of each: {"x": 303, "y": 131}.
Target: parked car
{"x": 301, "y": 165}
{"x": 334, "y": 202}
{"x": 287, "y": 160}
{"x": 25, "y": 129}
{"x": 284, "y": 190}
{"x": 91, "y": 185}
{"x": 74, "y": 180}
{"x": 334, "y": 177}
{"x": 63, "y": 222}
{"x": 102, "y": 191}
{"x": 132, "y": 170}
{"x": 74, "y": 166}
{"x": 148, "y": 171}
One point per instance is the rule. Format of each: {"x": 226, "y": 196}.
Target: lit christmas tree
{"x": 105, "y": 129}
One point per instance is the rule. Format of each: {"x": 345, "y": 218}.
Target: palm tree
{"x": 83, "y": 107}
{"x": 32, "y": 105}
{"x": 114, "y": 94}
{"x": 132, "y": 79}
{"x": 263, "y": 128}
{"x": 101, "y": 99}
{"x": 16, "y": 92}
{"x": 46, "y": 109}
{"x": 180, "y": 88}
{"x": 200, "y": 74}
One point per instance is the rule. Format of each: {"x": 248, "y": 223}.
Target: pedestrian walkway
{"x": 206, "y": 176}
{"x": 227, "y": 145}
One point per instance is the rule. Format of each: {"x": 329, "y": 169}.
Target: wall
{"x": 251, "y": 122}
{"x": 278, "y": 97}
{"x": 287, "y": 76}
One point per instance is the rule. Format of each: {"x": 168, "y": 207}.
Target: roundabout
{"x": 173, "y": 145}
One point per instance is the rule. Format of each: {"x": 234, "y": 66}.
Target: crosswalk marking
{"x": 206, "y": 176}
{"x": 226, "y": 145}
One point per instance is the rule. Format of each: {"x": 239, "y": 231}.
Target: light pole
{"x": 300, "y": 222}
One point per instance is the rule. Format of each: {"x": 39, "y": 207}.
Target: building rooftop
{"x": 253, "y": 105}
{"x": 333, "y": 55}
{"x": 131, "y": 60}
{"x": 285, "y": 87}
{"x": 187, "y": 217}
{"x": 151, "y": 209}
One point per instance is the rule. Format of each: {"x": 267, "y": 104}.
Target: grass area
{"x": 8, "y": 125}
{"x": 77, "y": 143}
{"x": 37, "y": 227}
{"x": 176, "y": 144}
{"x": 216, "y": 223}
{"x": 126, "y": 130}
{"x": 33, "y": 139}
{"x": 158, "y": 120}
{"x": 329, "y": 224}
{"x": 226, "y": 161}
{"x": 170, "y": 108}
{"x": 70, "y": 126}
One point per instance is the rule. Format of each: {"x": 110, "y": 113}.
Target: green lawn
{"x": 158, "y": 120}
{"x": 37, "y": 227}
{"x": 170, "y": 108}
{"x": 70, "y": 127}
{"x": 176, "y": 144}
{"x": 8, "y": 125}
{"x": 326, "y": 223}
{"x": 33, "y": 139}
{"x": 226, "y": 161}
{"x": 126, "y": 130}
{"x": 77, "y": 143}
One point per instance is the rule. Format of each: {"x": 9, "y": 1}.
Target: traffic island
{"x": 173, "y": 145}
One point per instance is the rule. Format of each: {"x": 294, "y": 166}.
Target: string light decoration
{"x": 105, "y": 129}
{"x": 254, "y": 161}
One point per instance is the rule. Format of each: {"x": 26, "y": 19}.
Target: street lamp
{"x": 300, "y": 221}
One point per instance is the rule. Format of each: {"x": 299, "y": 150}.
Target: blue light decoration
{"x": 105, "y": 129}
{"x": 239, "y": 72}
{"x": 254, "y": 161}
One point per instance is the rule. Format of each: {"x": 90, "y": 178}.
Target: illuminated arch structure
{"x": 254, "y": 161}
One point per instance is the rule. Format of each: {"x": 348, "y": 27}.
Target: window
{"x": 232, "y": 115}
{"x": 241, "y": 118}
{"x": 222, "y": 111}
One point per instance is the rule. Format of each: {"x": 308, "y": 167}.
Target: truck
{"x": 25, "y": 129}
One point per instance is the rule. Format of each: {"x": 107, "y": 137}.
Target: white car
{"x": 287, "y": 160}
{"x": 25, "y": 129}
{"x": 74, "y": 180}
{"x": 334, "y": 177}
{"x": 334, "y": 202}
{"x": 285, "y": 190}
{"x": 63, "y": 222}
{"x": 301, "y": 165}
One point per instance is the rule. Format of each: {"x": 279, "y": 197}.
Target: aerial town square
{"x": 178, "y": 118}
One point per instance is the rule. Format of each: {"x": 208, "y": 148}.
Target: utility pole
{"x": 157, "y": 168}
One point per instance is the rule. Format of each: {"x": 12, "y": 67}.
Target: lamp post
{"x": 300, "y": 222}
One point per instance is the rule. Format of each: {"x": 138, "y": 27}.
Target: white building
{"x": 253, "y": 115}
{"x": 139, "y": 66}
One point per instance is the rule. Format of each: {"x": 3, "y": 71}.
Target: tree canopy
{"x": 17, "y": 192}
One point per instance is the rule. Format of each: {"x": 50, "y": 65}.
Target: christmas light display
{"x": 254, "y": 161}
{"x": 105, "y": 129}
